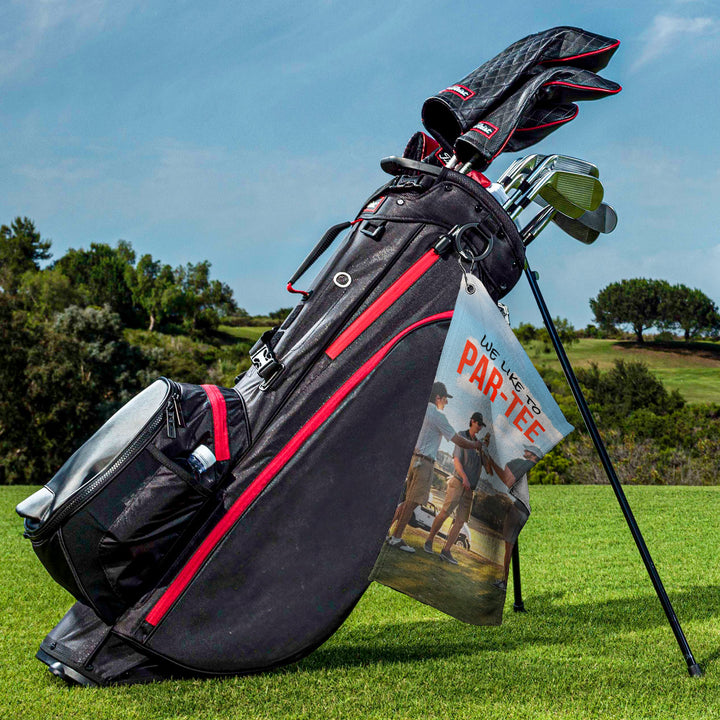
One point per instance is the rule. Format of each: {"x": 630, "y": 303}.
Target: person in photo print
{"x": 518, "y": 513}
{"x": 435, "y": 427}
{"x": 460, "y": 488}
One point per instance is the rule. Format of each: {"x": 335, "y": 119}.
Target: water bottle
{"x": 201, "y": 459}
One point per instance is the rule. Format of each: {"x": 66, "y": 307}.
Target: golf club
{"x": 571, "y": 193}
{"x": 602, "y": 220}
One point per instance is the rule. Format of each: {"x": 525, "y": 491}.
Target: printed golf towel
{"x": 489, "y": 419}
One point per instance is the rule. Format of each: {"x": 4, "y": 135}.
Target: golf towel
{"x": 490, "y": 419}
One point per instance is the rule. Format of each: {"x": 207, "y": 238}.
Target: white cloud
{"x": 667, "y": 31}
{"x": 32, "y": 29}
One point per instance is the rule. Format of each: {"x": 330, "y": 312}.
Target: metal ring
{"x": 342, "y": 279}
{"x": 465, "y": 253}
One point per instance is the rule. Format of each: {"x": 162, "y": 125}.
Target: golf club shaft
{"x": 518, "y": 605}
{"x": 693, "y": 667}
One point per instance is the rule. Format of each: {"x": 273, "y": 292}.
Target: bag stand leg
{"x": 518, "y": 605}
{"x": 693, "y": 667}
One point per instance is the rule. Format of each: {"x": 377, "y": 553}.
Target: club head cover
{"x": 420, "y": 146}
{"x": 560, "y": 85}
{"x": 538, "y": 122}
{"x": 457, "y": 108}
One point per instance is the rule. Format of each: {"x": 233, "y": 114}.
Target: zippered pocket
{"x": 165, "y": 601}
{"x": 129, "y": 499}
{"x": 376, "y": 309}
{"x": 104, "y": 455}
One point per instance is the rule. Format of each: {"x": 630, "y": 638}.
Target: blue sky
{"x": 238, "y": 132}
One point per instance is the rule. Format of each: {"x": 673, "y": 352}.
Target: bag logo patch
{"x": 485, "y": 128}
{"x": 374, "y": 206}
{"x": 443, "y": 156}
{"x": 461, "y": 91}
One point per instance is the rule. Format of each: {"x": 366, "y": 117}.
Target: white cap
{"x": 205, "y": 456}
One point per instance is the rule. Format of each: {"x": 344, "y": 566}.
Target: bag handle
{"x": 325, "y": 241}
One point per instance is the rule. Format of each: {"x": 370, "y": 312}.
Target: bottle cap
{"x": 205, "y": 455}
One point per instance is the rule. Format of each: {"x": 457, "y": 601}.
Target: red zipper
{"x": 220, "y": 426}
{"x": 391, "y": 295}
{"x": 238, "y": 508}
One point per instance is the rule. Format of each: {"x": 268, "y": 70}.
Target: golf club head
{"x": 571, "y": 193}
{"x": 576, "y": 229}
{"x": 523, "y": 180}
{"x": 603, "y": 220}
{"x": 519, "y": 169}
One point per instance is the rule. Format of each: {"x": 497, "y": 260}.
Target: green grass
{"x": 594, "y": 644}
{"x": 692, "y": 368}
{"x": 244, "y": 333}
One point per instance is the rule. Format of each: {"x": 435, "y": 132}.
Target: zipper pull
{"x": 170, "y": 420}
{"x": 178, "y": 410}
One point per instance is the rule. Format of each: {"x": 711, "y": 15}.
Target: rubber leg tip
{"x": 519, "y": 607}
{"x": 695, "y": 670}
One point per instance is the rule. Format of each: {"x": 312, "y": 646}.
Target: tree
{"x": 689, "y": 310}
{"x": 626, "y": 388}
{"x": 203, "y": 301}
{"x": 280, "y": 315}
{"x": 153, "y": 289}
{"x": 99, "y": 275}
{"x": 635, "y": 303}
{"x": 21, "y": 249}
{"x": 526, "y": 333}
{"x": 47, "y": 292}
{"x": 59, "y": 382}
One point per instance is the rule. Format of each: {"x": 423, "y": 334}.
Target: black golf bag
{"x": 262, "y": 559}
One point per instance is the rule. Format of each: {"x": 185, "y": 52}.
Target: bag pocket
{"x": 128, "y": 501}
{"x": 155, "y": 521}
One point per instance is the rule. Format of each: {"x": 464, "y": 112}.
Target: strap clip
{"x": 263, "y": 358}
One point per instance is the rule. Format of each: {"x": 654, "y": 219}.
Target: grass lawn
{"x": 693, "y": 368}
{"x": 594, "y": 644}
{"x": 244, "y": 333}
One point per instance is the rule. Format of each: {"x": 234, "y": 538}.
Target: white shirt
{"x": 435, "y": 427}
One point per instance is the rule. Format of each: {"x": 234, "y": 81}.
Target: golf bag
{"x": 258, "y": 562}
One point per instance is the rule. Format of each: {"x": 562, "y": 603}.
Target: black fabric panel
{"x": 538, "y": 122}
{"x": 86, "y": 645}
{"x": 300, "y": 557}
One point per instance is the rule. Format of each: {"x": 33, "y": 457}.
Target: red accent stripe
{"x": 582, "y": 87}
{"x": 430, "y": 145}
{"x": 237, "y": 509}
{"x": 393, "y": 293}
{"x": 220, "y": 426}
{"x": 557, "y": 122}
{"x": 582, "y": 55}
{"x": 479, "y": 177}
{"x": 291, "y": 289}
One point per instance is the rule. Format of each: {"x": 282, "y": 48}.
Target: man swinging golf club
{"x": 435, "y": 427}
{"x": 460, "y": 489}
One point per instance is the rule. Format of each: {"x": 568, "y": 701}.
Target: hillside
{"x": 691, "y": 368}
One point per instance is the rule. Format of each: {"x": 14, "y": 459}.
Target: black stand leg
{"x": 518, "y": 605}
{"x": 693, "y": 667}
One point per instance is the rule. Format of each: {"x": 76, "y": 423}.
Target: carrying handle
{"x": 394, "y": 165}
{"x": 325, "y": 242}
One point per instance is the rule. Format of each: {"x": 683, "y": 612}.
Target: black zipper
{"x": 169, "y": 411}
